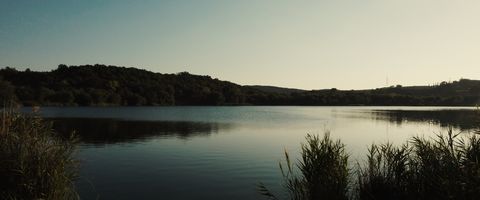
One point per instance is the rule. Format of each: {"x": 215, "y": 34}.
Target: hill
{"x": 101, "y": 85}
{"x": 273, "y": 89}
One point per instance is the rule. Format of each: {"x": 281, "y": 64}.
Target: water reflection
{"x": 107, "y": 131}
{"x": 461, "y": 119}
{"x": 185, "y": 163}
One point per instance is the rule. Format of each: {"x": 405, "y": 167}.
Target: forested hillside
{"x": 102, "y": 85}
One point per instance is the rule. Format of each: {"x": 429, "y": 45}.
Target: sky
{"x": 298, "y": 44}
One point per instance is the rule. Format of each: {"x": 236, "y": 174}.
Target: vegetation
{"x": 35, "y": 162}
{"x": 110, "y": 85}
{"x": 323, "y": 171}
{"x": 445, "y": 167}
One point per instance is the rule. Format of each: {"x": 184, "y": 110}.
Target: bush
{"x": 35, "y": 162}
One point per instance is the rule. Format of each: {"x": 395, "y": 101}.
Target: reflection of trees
{"x": 463, "y": 119}
{"x": 104, "y": 131}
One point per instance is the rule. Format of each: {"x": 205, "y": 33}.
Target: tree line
{"x": 102, "y": 85}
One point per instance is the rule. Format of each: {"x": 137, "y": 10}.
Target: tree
{"x": 7, "y": 93}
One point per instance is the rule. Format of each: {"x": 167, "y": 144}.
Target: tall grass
{"x": 444, "y": 167}
{"x": 322, "y": 171}
{"x": 384, "y": 175}
{"x": 34, "y": 162}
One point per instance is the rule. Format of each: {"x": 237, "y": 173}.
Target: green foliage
{"x": 111, "y": 85}
{"x": 35, "y": 162}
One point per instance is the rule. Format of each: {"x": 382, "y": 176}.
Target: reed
{"x": 385, "y": 174}
{"x": 322, "y": 171}
{"x": 35, "y": 162}
{"x": 444, "y": 167}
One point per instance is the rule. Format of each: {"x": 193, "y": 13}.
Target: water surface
{"x": 223, "y": 152}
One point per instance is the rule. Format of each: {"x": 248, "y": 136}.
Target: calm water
{"x": 223, "y": 152}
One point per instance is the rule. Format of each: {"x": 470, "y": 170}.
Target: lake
{"x": 223, "y": 152}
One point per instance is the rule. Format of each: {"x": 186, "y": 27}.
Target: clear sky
{"x": 301, "y": 44}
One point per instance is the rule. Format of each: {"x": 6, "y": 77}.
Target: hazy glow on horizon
{"x": 300, "y": 44}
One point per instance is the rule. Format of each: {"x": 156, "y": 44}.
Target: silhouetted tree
{"x": 110, "y": 85}
{"x": 7, "y": 93}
